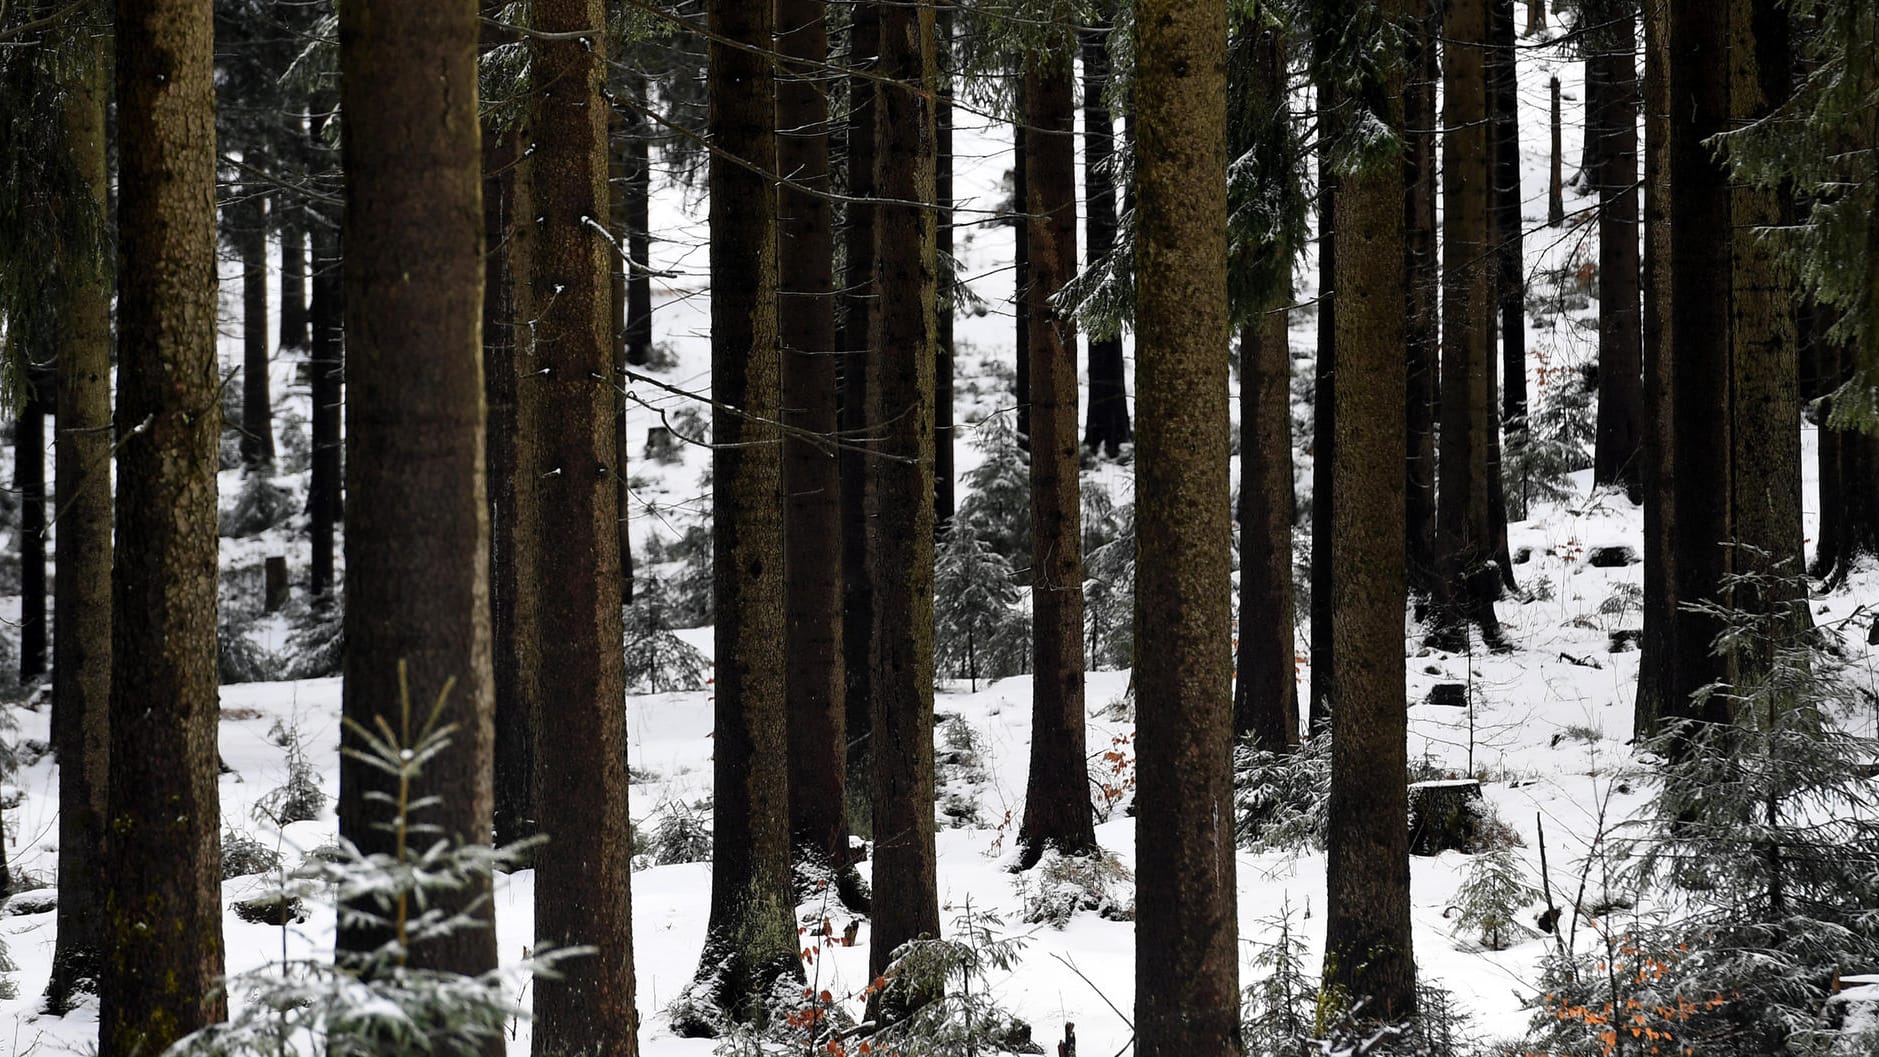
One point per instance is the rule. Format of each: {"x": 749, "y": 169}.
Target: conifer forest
{"x": 939, "y": 528}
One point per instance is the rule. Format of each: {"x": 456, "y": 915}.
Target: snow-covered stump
{"x": 1443, "y": 815}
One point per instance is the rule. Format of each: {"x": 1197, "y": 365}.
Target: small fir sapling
{"x": 657, "y": 661}
{"x": 978, "y": 632}
{"x": 944, "y": 996}
{"x": 998, "y": 499}
{"x": 1280, "y": 799}
{"x": 1493, "y": 898}
{"x": 1278, "y": 1010}
{"x": 1109, "y": 582}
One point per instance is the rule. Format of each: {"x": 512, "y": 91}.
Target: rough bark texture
{"x": 751, "y": 939}
{"x": 162, "y": 903}
{"x": 811, "y": 481}
{"x": 944, "y": 469}
{"x": 858, "y": 352}
{"x": 901, "y": 504}
{"x": 1618, "y": 452}
{"x": 1422, "y": 283}
{"x": 81, "y": 605}
{"x": 1765, "y": 467}
{"x": 1107, "y": 427}
{"x": 1057, "y": 802}
{"x": 620, "y": 165}
{"x": 574, "y": 678}
{"x": 638, "y": 224}
{"x": 247, "y": 220}
{"x": 1021, "y": 263}
{"x": 29, "y": 480}
{"x": 1368, "y": 951}
{"x": 1323, "y": 419}
{"x": 327, "y": 362}
{"x": 1465, "y": 521}
{"x": 1186, "y": 927}
{"x": 417, "y": 624}
{"x": 1510, "y": 258}
{"x": 1660, "y": 609}
{"x": 1699, "y": 268}
{"x": 1265, "y": 688}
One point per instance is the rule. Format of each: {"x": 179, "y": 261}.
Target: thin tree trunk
{"x": 1511, "y": 280}
{"x": 1655, "y": 660}
{"x": 1108, "y": 427}
{"x": 248, "y": 219}
{"x": 162, "y": 865}
{"x": 1465, "y": 536}
{"x": 1700, "y": 246}
{"x": 1265, "y": 690}
{"x": 619, "y": 227}
{"x": 1368, "y": 950}
{"x": 1021, "y": 262}
{"x": 1617, "y": 453}
{"x": 327, "y": 362}
{"x": 858, "y": 353}
{"x": 414, "y": 431}
{"x": 811, "y": 482}
{"x": 1555, "y": 191}
{"x": 290, "y": 213}
{"x": 1324, "y": 420}
{"x": 1057, "y": 803}
{"x": 29, "y": 480}
{"x": 944, "y": 471}
{"x": 1422, "y": 281}
{"x": 81, "y": 667}
{"x": 575, "y": 672}
{"x": 638, "y": 131}
{"x": 901, "y": 557}
{"x": 1187, "y": 934}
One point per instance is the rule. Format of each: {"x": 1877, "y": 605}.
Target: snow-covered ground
{"x": 1547, "y": 733}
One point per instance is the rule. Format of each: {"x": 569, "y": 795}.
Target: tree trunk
{"x": 1107, "y": 428}
{"x": 162, "y": 866}
{"x": 1699, "y": 267}
{"x": 901, "y": 558}
{"x": 619, "y": 226}
{"x": 1187, "y": 935}
{"x": 81, "y": 667}
{"x": 417, "y": 570}
{"x": 638, "y": 188}
{"x": 1324, "y": 419}
{"x": 1659, "y": 608}
{"x": 944, "y": 471}
{"x": 858, "y": 353}
{"x": 29, "y": 479}
{"x": 1555, "y": 192}
{"x": 1422, "y": 281}
{"x": 1765, "y": 470}
{"x": 1368, "y": 951}
{"x": 1536, "y": 17}
{"x": 1465, "y": 529}
{"x": 1617, "y": 454}
{"x": 1021, "y": 261}
{"x": 1511, "y": 279}
{"x": 813, "y": 512}
{"x": 1057, "y": 802}
{"x": 574, "y": 673}
{"x": 247, "y": 219}
{"x": 290, "y": 217}
{"x": 1265, "y": 690}
{"x": 327, "y": 362}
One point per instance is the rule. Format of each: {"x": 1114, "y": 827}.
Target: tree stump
{"x": 1443, "y": 815}
{"x": 660, "y": 444}
{"x": 276, "y": 594}
{"x": 1611, "y": 557}
{"x": 1448, "y": 695}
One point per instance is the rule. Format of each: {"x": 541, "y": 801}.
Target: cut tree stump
{"x": 1443, "y": 816}
{"x": 1448, "y": 695}
{"x": 276, "y": 569}
{"x": 1611, "y": 557}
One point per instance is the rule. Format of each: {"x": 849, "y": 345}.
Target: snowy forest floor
{"x": 1546, "y": 727}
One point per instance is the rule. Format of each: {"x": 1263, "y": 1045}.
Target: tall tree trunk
{"x": 1555, "y": 192}
{"x": 1655, "y": 662}
{"x": 1511, "y": 279}
{"x": 1265, "y": 689}
{"x": 1107, "y": 428}
{"x": 638, "y": 132}
{"x": 417, "y": 630}
{"x": 1422, "y": 283}
{"x": 944, "y": 465}
{"x": 290, "y": 218}
{"x": 575, "y": 671}
{"x": 248, "y": 221}
{"x": 812, "y": 563}
{"x": 1617, "y": 453}
{"x": 750, "y": 941}
{"x": 1021, "y": 260}
{"x": 1465, "y": 535}
{"x": 162, "y": 865}
{"x": 859, "y": 302}
{"x": 1368, "y": 951}
{"x": 1056, "y": 802}
{"x": 1765, "y": 469}
{"x": 1186, "y": 928}
{"x": 505, "y": 273}
{"x": 81, "y": 667}
{"x": 1699, "y": 266}
{"x": 901, "y": 558}
{"x": 619, "y": 226}
{"x": 1323, "y": 419}
{"x": 29, "y": 479}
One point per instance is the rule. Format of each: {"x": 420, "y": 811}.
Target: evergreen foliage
{"x": 1109, "y": 579}
{"x": 657, "y": 661}
{"x": 978, "y": 632}
{"x": 259, "y": 506}
{"x": 998, "y": 501}
{"x": 1544, "y": 450}
{"x": 1492, "y": 898}
{"x": 964, "y": 1015}
{"x": 1280, "y": 800}
{"x": 1278, "y": 1010}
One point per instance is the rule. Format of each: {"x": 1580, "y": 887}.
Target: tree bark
{"x": 290, "y": 218}
{"x": 1465, "y": 522}
{"x": 1323, "y": 419}
{"x": 1108, "y": 427}
{"x": 944, "y": 465}
{"x": 901, "y": 557}
{"x": 1422, "y": 281}
{"x": 1186, "y": 927}
{"x": 248, "y": 222}
{"x": 817, "y": 711}
{"x": 1057, "y": 803}
{"x": 575, "y": 672}
{"x": 1511, "y": 279}
{"x": 417, "y": 626}
{"x": 1021, "y": 261}
{"x": 1555, "y": 191}
{"x": 29, "y": 480}
{"x": 162, "y": 866}
{"x": 81, "y": 667}
{"x": 1655, "y": 662}
{"x": 858, "y": 353}
{"x": 638, "y": 132}
{"x": 1368, "y": 950}
{"x": 1617, "y": 453}
{"x": 1265, "y": 690}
